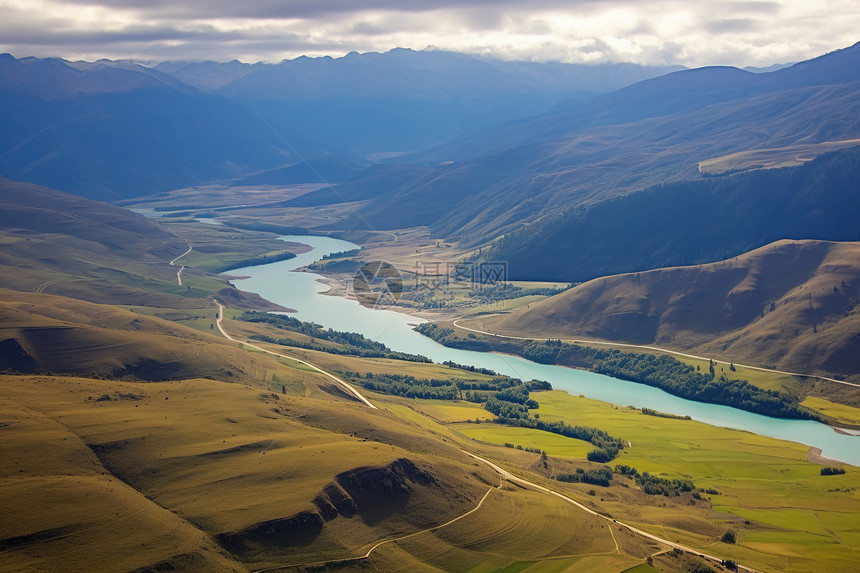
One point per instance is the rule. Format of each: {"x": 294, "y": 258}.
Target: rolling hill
{"x": 58, "y": 243}
{"x": 125, "y": 415}
{"x": 789, "y": 305}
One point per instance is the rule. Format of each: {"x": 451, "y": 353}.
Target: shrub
{"x": 831, "y": 471}
{"x": 729, "y": 537}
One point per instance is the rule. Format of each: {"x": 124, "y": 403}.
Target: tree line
{"x": 255, "y": 261}
{"x": 351, "y": 343}
{"x": 660, "y": 371}
{"x": 506, "y": 398}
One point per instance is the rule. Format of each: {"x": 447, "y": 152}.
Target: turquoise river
{"x": 281, "y": 283}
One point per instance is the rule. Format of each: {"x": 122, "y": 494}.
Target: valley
{"x": 423, "y": 311}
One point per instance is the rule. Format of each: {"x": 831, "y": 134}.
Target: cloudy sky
{"x": 684, "y": 32}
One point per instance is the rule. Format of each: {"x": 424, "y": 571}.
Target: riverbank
{"x": 301, "y": 290}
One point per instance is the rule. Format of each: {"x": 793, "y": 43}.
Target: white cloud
{"x": 657, "y": 32}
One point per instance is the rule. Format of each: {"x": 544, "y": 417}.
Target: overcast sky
{"x": 687, "y": 32}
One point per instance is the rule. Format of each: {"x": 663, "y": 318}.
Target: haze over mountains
{"x": 97, "y": 129}
{"x": 652, "y": 132}
{"x": 538, "y": 166}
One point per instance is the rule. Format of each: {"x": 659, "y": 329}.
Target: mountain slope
{"x": 652, "y": 132}
{"x": 60, "y": 335}
{"x": 107, "y": 133}
{"x": 689, "y": 222}
{"x": 791, "y": 305}
{"x": 366, "y": 106}
{"x": 113, "y": 130}
{"x": 405, "y": 73}
{"x": 67, "y": 245}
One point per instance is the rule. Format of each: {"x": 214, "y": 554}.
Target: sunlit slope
{"x": 42, "y": 333}
{"x": 772, "y": 158}
{"x": 790, "y": 304}
{"x": 58, "y": 243}
{"x": 276, "y": 480}
{"x": 64, "y": 512}
{"x": 253, "y": 458}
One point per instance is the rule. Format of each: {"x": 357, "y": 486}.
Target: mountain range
{"x": 652, "y": 132}
{"x": 538, "y": 186}
{"x": 113, "y": 130}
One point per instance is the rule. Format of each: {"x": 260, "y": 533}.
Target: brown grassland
{"x": 791, "y": 305}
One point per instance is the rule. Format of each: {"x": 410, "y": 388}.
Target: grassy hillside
{"x": 241, "y": 460}
{"x": 238, "y": 460}
{"x": 58, "y": 243}
{"x": 770, "y": 158}
{"x": 47, "y": 334}
{"x": 789, "y": 305}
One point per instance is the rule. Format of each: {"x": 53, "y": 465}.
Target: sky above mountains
{"x": 711, "y": 32}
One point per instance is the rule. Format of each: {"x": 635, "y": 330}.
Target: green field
{"x": 552, "y": 444}
{"x": 840, "y": 413}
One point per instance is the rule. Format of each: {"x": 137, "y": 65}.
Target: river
{"x": 303, "y": 291}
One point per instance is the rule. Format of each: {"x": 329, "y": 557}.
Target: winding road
{"x": 503, "y": 474}
{"x": 512, "y": 478}
{"x": 173, "y": 262}
{"x": 349, "y": 388}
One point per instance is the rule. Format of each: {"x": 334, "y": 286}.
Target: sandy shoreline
{"x": 814, "y": 456}
{"x": 846, "y": 431}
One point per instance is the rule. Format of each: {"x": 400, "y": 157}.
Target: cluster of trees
{"x": 527, "y": 449}
{"x": 654, "y": 485}
{"x": 659, "y": 414}
{"x": 831, "y": 471}
{"x": 481, "y": 391}
{"x": 341, "y": 350}
{"x": 504, "y": 291}
{"x": 452, "y": 364}
{"x": 675, "y": 377}
{"x": 405, "y": 385}
{"x": 255, "y": 261}
{"x": 340, "y": 255}
{"x": 446, "y": 337}
{"x": 512, "y": 413}
{"x": 542, "y": 352}
{"x": 601, "y": 476}
{"x": 606, "y": 447}
{"x": 351, "y": 343}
